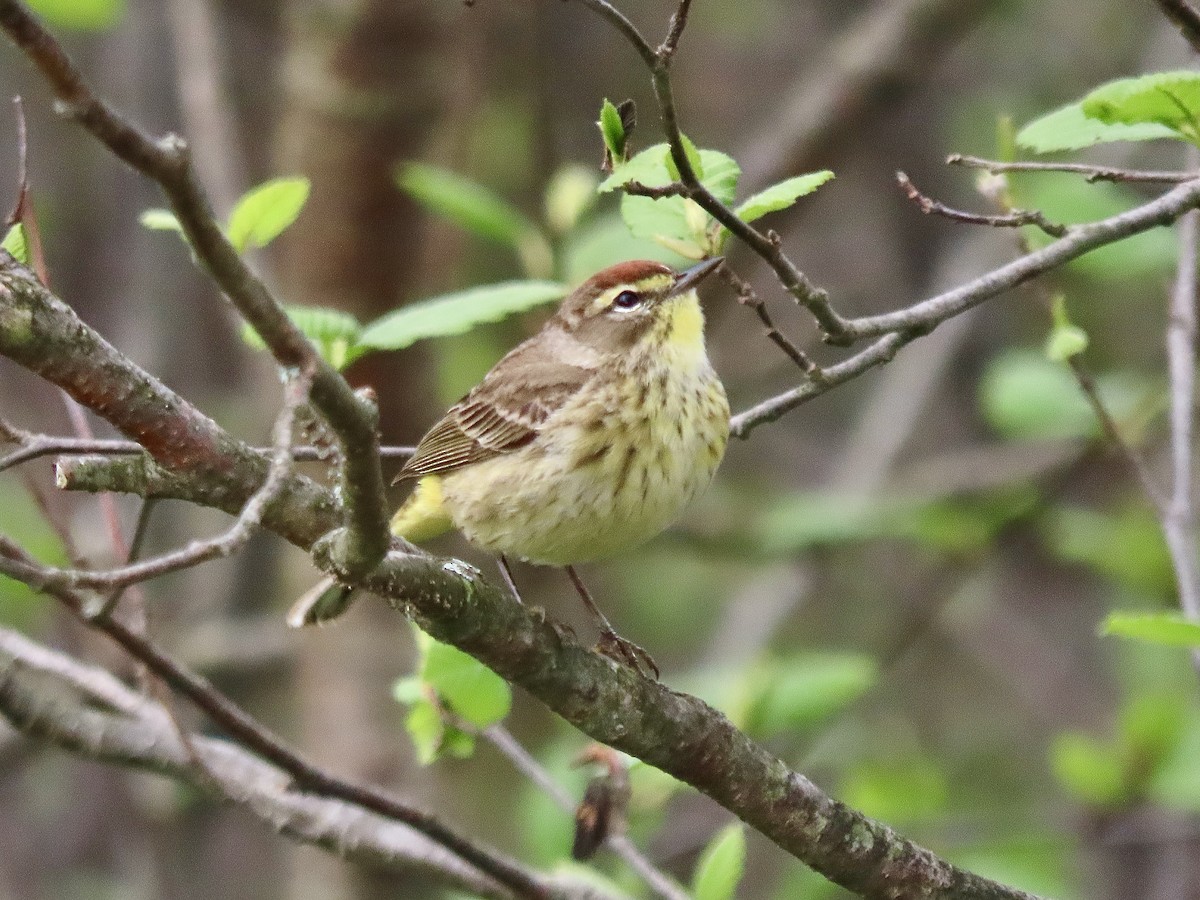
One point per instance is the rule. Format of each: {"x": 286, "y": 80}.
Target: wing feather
{"x": 504, "y": 413}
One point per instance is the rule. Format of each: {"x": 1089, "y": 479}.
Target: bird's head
{"x": 620, "y": 306}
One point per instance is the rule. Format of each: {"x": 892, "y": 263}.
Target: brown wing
{"x": 506, "y": 411}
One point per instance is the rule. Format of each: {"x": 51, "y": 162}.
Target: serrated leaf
{"x": 158, "y": 219}
{"x": 263, "y": 213}
{"x": 334, "y": 333}
{"x": 471, "y": 689}
{"x": 466, "y": 203}
{"x": 1068, "y": 128}
{"x": 612, "y": 131}
{"x": 721, "y": 865}
{"x": 781, "y": 195}
{"x": 16, "y": 243}
{"x": 84, "y": 15}
{"x": 457, "y": 313}
{"x": 1168, "y": 629}
{"x": 1168, "y": 99}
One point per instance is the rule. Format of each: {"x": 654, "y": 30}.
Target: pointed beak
{"x": 689, "y": 278}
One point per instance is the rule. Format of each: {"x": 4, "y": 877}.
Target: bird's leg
{"x": 509, "y": 582}
{"x": 612, "y": 644}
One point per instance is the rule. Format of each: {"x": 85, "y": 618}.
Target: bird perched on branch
{"x": 587, "y": 439}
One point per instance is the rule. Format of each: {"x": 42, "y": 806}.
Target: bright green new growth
{"x": 82, "y": 15}
{"x": 263, "y": 213}
{"x": 260, "y": 215}
{"x": 612, "y": 132}
{"x": 334, "y": 333}
{"x": 679, "y": 223}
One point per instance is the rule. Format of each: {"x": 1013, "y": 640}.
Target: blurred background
{"x": 895, "y": 587}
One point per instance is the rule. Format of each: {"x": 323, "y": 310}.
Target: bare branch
{"x": 166, "y": 162}
{"x": 1091, "y": 172}
{"x": 1082, "y": 238}
{"x": 196, "y": 552}
{"x": 1014, "y": 219}
{"x": 675, "y": 31}
{"x": 747, "y": 296}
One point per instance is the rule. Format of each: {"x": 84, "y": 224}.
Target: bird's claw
{"x": 617, "y": 648}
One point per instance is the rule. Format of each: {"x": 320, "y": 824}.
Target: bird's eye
{"x": 627, "y": 300}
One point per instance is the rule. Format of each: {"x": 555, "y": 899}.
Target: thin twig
{"x": 1014, "y": 219}
{"x": 674, "y": 31}
{"x": 1081, "y": 239}
{"x": 637, "y": 189}
{"x": 196, "y": 552}
{"x": 166, "y": 161}
{"x": 813, "y": 298}
{"x": 747, "y": 296}
{"x": 36, "y": 446}
{"x": 1091, "y": 172}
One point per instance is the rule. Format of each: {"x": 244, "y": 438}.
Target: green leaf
{"x": 334, "y": 333}
{"x": 457, "y": 313}
{"x": 84, "y": 15}
{"x": 569, "y": 195}
{"x": 16, "y": 243}
{"x": 606, "y": 240}
{"x": 781, "y": 195}
{"x": 1168, "y": 629}
{"x": 612, "y": 131}
{"x": 1092, "y": 771}
{"x": 721, "y": 865}
{"x": 1168, "y": 99}
{"x": 465, "y": 203}
{"x": 160, "y": 220}
{"x": 1068, "y": 128}
{"x": 471, "y": 689}
{"x": 675, "y": 222}
{"x": 264, "y": 212}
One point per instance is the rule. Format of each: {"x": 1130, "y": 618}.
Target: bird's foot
{"x": 617, "y": 648}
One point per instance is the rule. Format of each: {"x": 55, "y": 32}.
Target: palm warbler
{"x": 587, "y": 439}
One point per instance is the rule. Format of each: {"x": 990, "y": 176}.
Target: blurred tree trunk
{"x": 360, "y": 86}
